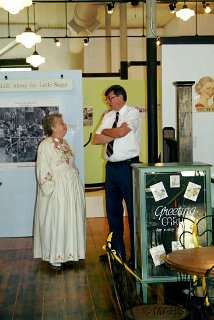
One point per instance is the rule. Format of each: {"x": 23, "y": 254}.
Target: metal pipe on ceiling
{"x": 108, "y": 42}
{"x": 83, "y": 23}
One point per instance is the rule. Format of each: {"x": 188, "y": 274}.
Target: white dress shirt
{"x": 126, "y": 147}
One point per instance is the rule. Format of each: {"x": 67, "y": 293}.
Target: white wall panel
{"x": 189, "y": 63}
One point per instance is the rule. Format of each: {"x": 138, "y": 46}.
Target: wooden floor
{"x": 31, "y": 290}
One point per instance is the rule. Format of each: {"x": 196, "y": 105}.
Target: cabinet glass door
{"x": 175, "y": 215}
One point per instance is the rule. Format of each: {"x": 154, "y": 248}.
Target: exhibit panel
{"x": 172, "y": 211}
{"x": 17, "y": 193}
{"x": 26, "y": 98}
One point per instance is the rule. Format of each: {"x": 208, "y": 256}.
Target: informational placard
{"x": 26, "y": 98}
{"x": 18, "y": 85}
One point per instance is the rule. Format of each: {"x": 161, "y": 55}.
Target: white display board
{"x": 30, "y": 95}
{"x": 189, "y": 63}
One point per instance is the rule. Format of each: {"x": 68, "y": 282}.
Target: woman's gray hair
{"x": 49, "y": 121}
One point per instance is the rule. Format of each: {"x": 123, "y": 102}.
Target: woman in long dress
{"x": 59, "y": 225}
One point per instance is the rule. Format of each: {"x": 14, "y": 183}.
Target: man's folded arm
{"x": 118, "y": 132}
{"x": 110, "y": 134}
{"x": 101, "y": 139}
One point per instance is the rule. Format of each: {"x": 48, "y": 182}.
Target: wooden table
{"x": 195, "y": 261}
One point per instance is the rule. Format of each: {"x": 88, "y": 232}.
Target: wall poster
{"x": 21, "y": 129}
{"x": 204, "y": 89}
{"x": 88, "y": 116}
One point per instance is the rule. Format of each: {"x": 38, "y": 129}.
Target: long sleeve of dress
{"x": 45, "y": 175}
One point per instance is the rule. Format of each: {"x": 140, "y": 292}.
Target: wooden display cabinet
{"x": 169, "y": 198}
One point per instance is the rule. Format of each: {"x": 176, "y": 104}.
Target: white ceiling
{"x": 53, "y": 15}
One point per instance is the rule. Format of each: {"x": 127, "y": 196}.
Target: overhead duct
{"x": 76, "y": 44}
{"x": 83, "y": 23}
{"x": 84, "y": 19}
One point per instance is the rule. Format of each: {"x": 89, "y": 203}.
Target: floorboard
{"x": 31, "y": 290}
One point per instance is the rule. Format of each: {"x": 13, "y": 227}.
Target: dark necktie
{"x": 109, "y": 148}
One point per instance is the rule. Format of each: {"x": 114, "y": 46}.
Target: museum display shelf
{"x": 172, "y": 206}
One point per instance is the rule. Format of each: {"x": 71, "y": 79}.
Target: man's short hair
{"x": 118, "y": 90}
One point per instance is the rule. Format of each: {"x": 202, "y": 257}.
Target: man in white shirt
{"x": 120, "y": 131}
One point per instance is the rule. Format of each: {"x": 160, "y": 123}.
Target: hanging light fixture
{"x": 86, "y": 42}
{"x": 35, "y": 59}
{"x": 57, "y": 42}
{"x": 158, "y": 42}
{"x": 206, "y": 6}
{"x": 185, "y": 13}
{"x": 172, "y": 7}
{"x": 110, "y": 8}
{"x": 14, "y": 6}
{"x": 28, "y": 38}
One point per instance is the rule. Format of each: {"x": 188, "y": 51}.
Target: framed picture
{"x": 21, "y": 131}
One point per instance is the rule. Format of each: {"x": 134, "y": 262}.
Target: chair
{"x": 129, "y": 303}
{"x": 209, "y": 278}
{"x": 121, "y": 275}
{"x": 195, "y": 233}
{"x": 201, "y": 288}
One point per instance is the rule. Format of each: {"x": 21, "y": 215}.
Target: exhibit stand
{"x": 169, "y": 200}
{"x": 26, "y": 98}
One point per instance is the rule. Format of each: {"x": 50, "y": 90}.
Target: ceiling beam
{"x": 117, "y": 1}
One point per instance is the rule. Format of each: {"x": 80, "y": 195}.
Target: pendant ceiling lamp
{"x": 185, "y": 13}
{"x": 206, "y": 6}
{"x": 35, "y": 59}
{"x": 14, "y": 6}
{"x": 110, "y": 8}
{"x": 28, "y": 38}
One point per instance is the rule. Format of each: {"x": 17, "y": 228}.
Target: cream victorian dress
{"x": 59, "y": 225}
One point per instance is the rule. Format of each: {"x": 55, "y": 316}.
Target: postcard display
{"x": 168, "y": 199}
{"x": 26, "y": 98}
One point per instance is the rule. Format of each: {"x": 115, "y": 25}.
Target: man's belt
{"x": 128, "y": 161}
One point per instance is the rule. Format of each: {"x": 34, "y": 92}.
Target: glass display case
{"x": 172, "y": 211}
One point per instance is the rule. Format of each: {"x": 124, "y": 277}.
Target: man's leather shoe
{"x": 103, "y": 257}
